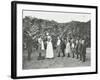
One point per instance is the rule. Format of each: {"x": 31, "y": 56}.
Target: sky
{"x": 60, "y": 17}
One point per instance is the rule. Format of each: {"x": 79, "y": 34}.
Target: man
{"x": 63, "y": 46}
{"x": 39, "y": 48}
{"x": 80, "y": 48}
{"x": 45, "y": 42}
{"x": 72, "y": 48}
{"x": 83, "y": 53}
{"x": 58, "y": 46}
{"x": 76, "y": 48}
{"x": 29, "y": 45}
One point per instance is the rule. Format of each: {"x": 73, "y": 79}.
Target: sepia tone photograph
{"x": 54, "y": 39}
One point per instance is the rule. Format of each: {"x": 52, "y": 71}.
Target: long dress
{"x": 49, "y": 50}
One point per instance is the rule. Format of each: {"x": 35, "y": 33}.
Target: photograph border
{"x": 14, "y": 38}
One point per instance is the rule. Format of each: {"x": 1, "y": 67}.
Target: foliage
{"x": 71, "y": 29}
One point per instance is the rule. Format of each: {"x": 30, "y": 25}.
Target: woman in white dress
{"x": 68, "y": 48}
{"x": 49, "y": 50}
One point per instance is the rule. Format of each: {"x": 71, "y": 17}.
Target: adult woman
{"x": 49, "y": 50}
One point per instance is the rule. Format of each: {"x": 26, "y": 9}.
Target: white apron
{"x": 49, "y": 50}
{"x": 68, "y": 50}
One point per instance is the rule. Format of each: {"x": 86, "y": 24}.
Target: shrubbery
{"x": 71, "y": 29}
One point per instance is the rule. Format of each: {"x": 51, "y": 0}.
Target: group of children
{"x": 72, "y": 48}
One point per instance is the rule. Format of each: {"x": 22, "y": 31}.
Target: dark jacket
{"x": 79, "y": 47}
{"x": 84, "y": 48}
{"x": 63, "y": 45}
